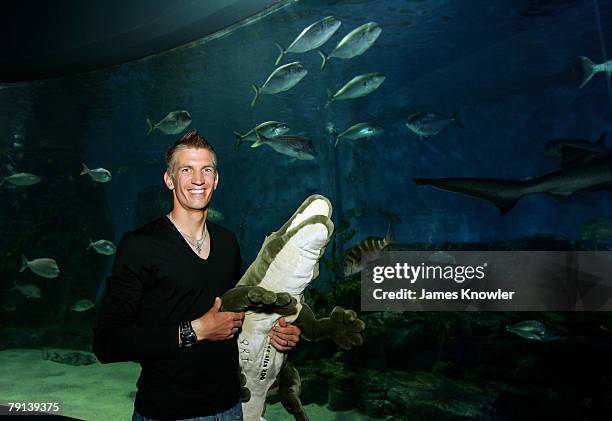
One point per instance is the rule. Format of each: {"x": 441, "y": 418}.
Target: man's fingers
{"x": 282, "y": 322}
{"x": 283, "y": 336}
{"x": 289, "y": 330}
{"x": 282, "y": 345}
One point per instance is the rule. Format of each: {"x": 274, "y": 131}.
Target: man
{"x": 162, "y": 301}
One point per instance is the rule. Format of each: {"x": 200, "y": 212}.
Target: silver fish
{"x": 354, "y": 43}
{"x": 311, "y": 37}
{"x": 45, "y": 267}
{"x": 82, "y": 305}
{"x": 21, "y": 179}
{"x": 296, "y": 147}
{"x": 173, "y": 123}
{"x": 103, "y": 247}
{"x": 30, "y": 291}
{"x": 591, "y": 69}
{"x": 373, "y": 245}
{"x": 100, "y": 175}
{"x": 534, "y": 330}
{"x": 214, "y": 215}
{"x": 359, "y": 131}
{"x": 280, "y": 80}
{"x": 357, "y": 87}
{"x": 426, "y": 124}
{"x": 265, "y": 129}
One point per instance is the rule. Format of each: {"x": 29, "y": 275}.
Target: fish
{"x": 374, "y": 245}
{"x": 103, "y": 247}
{"x": 597, "y": 229}
{"x": 173, "y": 123}
{"x": 266, "y": 129}
{"x": 280, "y": 80}
{"x": 21, "y": 179}
{"x": 312, "y": 37}
{"x": 573, "y": 150}
{"x": 359, "y": 131}
{"x": 214, "y": 215}
{"x": 296, "y": 147}
{"x": 534, "y": 330}
{"x": 29, "y": 290}
{"x": 426, "y": 124}
{"x": 591, "y": 69}
{"x": 82, "y": 305}
{"x": 584, "y": 176}
{"x": 441, "y": 257}
{"x": 357, "y": 87}
{"x": 100, "y": 175}
{"x": 45, "y": 267}
{"x": 354, "y": 43}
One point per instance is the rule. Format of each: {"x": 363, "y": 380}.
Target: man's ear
{"x": 168, "y": 181}
{"x": 216, "y": 181}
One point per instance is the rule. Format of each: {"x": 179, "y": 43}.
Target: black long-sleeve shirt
{"x": 158, "y": 281}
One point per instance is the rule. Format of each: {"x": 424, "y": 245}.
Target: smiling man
{"x": 162, "y": 301}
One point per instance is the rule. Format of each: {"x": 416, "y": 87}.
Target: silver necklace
{"x": 199, "y": 243}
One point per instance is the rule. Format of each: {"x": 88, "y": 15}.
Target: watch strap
{"x": 188, "y": 335}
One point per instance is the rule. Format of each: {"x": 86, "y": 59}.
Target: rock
{"x": 69, "y": 357}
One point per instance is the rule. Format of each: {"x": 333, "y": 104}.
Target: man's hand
{"x": 217, "y": 326}
{"x": 284, "y": 336}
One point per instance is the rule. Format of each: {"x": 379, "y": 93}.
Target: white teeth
{"x": 197, "y": 191}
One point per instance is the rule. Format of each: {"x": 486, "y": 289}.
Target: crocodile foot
{"x": 347, "y": 328}
{"x": 268, "y": 301}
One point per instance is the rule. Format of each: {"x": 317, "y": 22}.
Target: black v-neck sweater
{"x": 158, "y": 281}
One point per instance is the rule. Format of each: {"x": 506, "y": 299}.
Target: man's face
{"x": 194, "y": 180}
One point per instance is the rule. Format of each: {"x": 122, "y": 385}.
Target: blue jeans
{"x": 232, "y": 414}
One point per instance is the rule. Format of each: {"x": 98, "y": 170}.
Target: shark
{"x": 593, "y": 172}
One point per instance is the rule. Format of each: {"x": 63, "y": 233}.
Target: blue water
{"x": 515, "y": 76}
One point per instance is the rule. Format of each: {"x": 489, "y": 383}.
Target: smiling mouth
{"x": 196, "y": 191}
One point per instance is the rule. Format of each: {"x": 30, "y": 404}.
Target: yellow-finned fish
{"x": 311, "y": 37}
{"x": 374, "y": 245}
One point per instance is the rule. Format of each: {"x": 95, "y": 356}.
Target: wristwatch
{"x": 188, "y": 335}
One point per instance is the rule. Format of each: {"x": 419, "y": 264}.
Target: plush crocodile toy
{"x": 273, "y": 287}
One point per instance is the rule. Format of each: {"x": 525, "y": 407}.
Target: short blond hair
{"x": 189, "y": 140}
